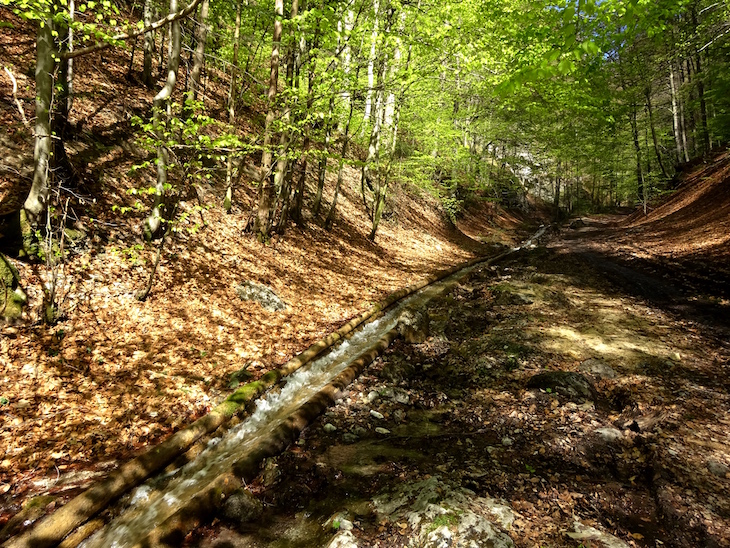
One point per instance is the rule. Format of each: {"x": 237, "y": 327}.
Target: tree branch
{"x": 154, "y": 26}
{"x": 17, "y": 101}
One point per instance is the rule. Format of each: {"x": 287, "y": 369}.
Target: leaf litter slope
{"x": 687, "y": 233}
{"x": 116, "y": 375}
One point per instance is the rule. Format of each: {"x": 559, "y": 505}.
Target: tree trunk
{"x": 391, "y": 121}
{"x": 653, "y": 133}
{"x": 232, "y": 106}
{"x": 556, "y": 193}
{"x": 637, "y": 148}
{"x": 343, "y": 153}
{"x": 322, "y": 172}
{"x": 262, "y": 224}
{"x": 164, "y": 32}
{"x": 149, "y": 44}
{"x": 70, "y": 62}
{"x": 37, "y": 199}
{"x": 367, "y": 181}
{"x": 282, "y": 177}
{"x": 301, "y": 185}
{"x": 703, "y": 106}
{"x": 682, "y": 121}
{"x": 371, "y": 63}
{"x": 153, "y": 222}
{"x": 675, "y": 115}
{"x": 201, "y": 35}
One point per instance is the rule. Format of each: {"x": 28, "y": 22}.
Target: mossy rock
{"x": 12, "y": 297}
{"x": 31, "y": 247}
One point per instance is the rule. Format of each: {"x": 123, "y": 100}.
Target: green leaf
{"x": 565, "y": 66}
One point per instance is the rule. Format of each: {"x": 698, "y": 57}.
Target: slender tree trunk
{"x": 347, "y": 54}
{"x": 62, "y": 101}
{"x": 130, "y": 68}
{"x": 653, "y": 133}
{"x": 682, "y": 121}
{"x": 232, "y": 106}
{"x": 164, "y": 32}
{"x": 371, "y": 63}
{"x": 367, "y": 181}
{"x": 282, "y": 177}
{"x": 322, "y": 171}
{"x": 340, "y": 171}
{"x": 556, "y": 193}
{"x": 637, "y": 148}
{"x": 391, "y": 121}
{"x": 70, "y": 62}
{"x": 301, "y": 185}
{"x": 675, "y": 115}
{"x": 201, "y": 35}
{"x": 692, "y": 125}
{"x": 149, "y": 44}
{"x": 262, "y": 224}
{"x": 37, "y": 200}
{"x": 703, "y": 106}
{"x": 331, "y": 215}
{"x": 153, "y": 222}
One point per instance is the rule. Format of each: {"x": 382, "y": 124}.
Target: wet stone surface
{"x": 445, "y": 442}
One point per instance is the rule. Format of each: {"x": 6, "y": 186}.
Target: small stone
{"x": 372, "y": 396}
{"x": 242, "y": 507}
{"x": 265, "y": 296}
{"x": 349, "y": 437}
{"x": 507, "y": 441}
{"x": 401, "y": 397}
{"x": 609, "y": 435}
{"x": 566, "y": 383}
{"x": 383, "y": 431}
{"x": 583, "y": 532}
{"x": 376, "y": 415}
{"x": 675, "y": 357}
{"x": 329, "y": 428}
{"x": 718, "y": 469}
{"x": 414, "y": 326}
{"x": 598, "y": 369}
{"x": 343, "y": 539}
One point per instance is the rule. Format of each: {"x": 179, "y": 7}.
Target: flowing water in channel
{"x": 148, "y": 508}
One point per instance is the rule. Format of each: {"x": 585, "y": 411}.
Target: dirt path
{"x": 442, "y": 443}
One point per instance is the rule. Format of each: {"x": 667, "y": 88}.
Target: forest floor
{"x": 115, "y": 375}
{"x": 443, "y": 443}
{"x": 465, "y": 451}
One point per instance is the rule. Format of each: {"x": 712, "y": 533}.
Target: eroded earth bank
{"x": 554, "y": 403}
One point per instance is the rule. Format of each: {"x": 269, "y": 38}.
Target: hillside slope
{"x": 689, "y": 231}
